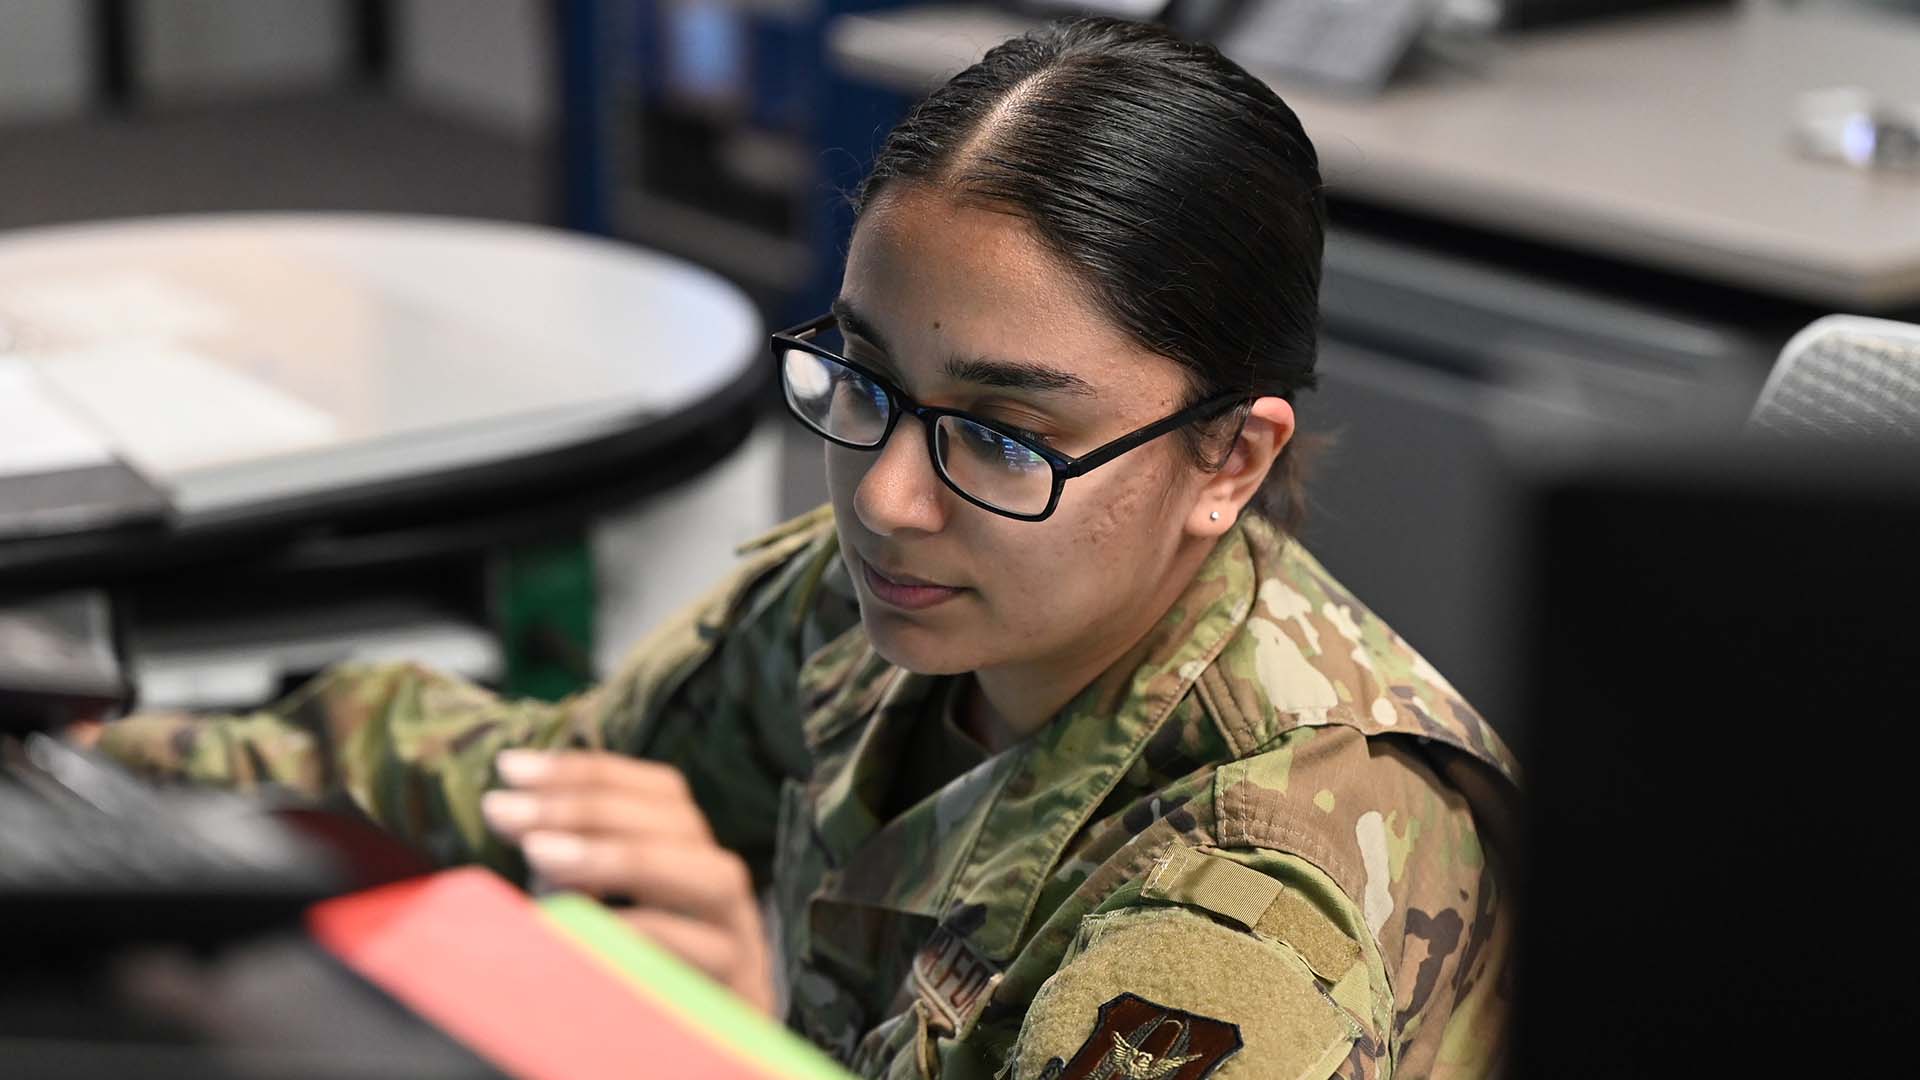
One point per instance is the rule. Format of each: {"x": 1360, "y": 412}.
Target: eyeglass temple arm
{"x": 1099, "y": 456}
{"x": 810, "y": 328}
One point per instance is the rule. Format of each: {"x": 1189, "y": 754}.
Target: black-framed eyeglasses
{"x": 991, "y": 465}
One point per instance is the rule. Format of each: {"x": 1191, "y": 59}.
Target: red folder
{"x": 478, "y": 959}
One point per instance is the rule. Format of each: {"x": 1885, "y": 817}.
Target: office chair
{"x": 1845, "y": 377}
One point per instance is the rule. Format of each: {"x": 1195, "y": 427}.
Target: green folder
{"x": 703, "y": 1005}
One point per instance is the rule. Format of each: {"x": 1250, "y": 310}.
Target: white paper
{"x": 111, "y": 307}
{"x": 37, "y": 433}
{"x": 168, "y": 409}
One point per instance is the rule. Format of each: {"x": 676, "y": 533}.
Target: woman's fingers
{"x": 591, "y": 793}
{"x": 513, "y": 814}
{"x": 551, "y": 770}
{"x": 704, "y": 882}
{"x": 617, "y": 827}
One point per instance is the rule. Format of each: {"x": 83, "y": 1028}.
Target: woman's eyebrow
{"x": 1013, "y": 376}
{"x": 982, "y": 370}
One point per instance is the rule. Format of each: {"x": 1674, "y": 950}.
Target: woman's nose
{"x": 900, "y": 490}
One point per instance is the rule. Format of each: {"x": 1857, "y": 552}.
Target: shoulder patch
{"x": 1137, "y": 1039}
{"x": 1144, "y": 987}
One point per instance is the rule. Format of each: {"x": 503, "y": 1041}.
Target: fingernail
{"x": 522, "y": 767}
{"x": 554, "y": 851}
{"x": 509, "y": 810}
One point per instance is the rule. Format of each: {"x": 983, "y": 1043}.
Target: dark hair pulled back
{"x": 1180, "y": 187}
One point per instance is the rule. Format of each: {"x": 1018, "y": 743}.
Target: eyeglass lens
{"x": 845, "y": 405}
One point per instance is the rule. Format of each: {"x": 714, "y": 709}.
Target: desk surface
{"x": 1663, "y": 139}
{"x": 249, "y": 360}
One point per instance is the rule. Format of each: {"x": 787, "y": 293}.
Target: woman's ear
{"x": 1268, "y": 429}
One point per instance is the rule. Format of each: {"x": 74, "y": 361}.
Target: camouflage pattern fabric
{"x": 1272, "y": 817}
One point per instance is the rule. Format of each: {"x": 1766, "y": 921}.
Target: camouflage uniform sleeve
{"x": 415, "y": 747}
{"x": 716, "y": 691}
{"x": 1252, "y": 960}
{"x": 1390, "y": 821}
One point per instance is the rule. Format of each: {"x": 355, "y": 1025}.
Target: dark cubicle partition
{"x": 1434, "y": 370}
{"x": 1723, "y": 635}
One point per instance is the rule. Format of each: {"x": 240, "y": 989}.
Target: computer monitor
{"x": 1722, "y": 674}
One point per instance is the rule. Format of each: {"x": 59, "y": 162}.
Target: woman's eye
{"x": 1030, "y": 436}
{"x": 1001, "y": 437}
{"x": 995, "y": 446}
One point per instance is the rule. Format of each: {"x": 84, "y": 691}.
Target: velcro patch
{"x": 1136, "y": 1039}
{"x": 1196, "y": 973}
{"x": 1256, "y": 902}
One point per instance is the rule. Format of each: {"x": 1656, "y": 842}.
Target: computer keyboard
{"x": 158, "y": 931}
{"x": 91, "y": 855}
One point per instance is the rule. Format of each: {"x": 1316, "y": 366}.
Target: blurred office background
{"x": 1549, "y": 220}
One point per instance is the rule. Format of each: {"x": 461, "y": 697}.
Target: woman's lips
{"x": 910, "y": 595}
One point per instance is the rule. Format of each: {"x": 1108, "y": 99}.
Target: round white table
{"x": 250, "y": 359}
{"x": 271, "y": 367}
{"x": 336, "y": 391}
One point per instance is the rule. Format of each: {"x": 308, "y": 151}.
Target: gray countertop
{"x": 1662, "y": 139}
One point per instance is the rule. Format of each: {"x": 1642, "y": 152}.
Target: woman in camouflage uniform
{"x": 1051, "y": 753}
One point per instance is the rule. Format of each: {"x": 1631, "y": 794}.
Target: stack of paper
{"x": 57, "y": 473}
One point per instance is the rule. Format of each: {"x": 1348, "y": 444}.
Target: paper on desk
{"x": 168, "y": 408}
{"x": 126, "y": 306}
{"x": 37, "y": 433}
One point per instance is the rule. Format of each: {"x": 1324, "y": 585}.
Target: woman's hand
{"x": 627, "y": 831}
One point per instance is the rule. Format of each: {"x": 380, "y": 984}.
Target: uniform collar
{"x": 976, "y": 853}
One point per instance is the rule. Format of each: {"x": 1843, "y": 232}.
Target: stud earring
{"x": 1215, "y": 516}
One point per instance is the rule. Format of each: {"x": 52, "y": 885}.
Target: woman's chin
{"x": 916, "y": 648}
